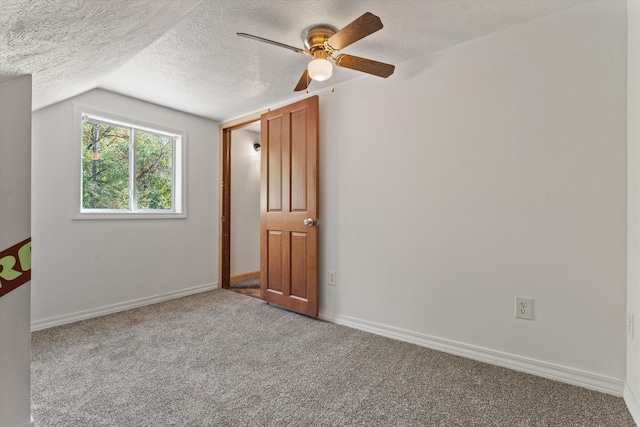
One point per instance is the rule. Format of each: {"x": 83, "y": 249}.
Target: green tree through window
{"x": 105, "y": 166}
{"x": 154, "y": 170}
{"x": 125, "y": 168}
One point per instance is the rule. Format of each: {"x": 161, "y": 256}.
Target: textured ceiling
{"x": 184, "y": 54}
{"x": 71, "y": 46}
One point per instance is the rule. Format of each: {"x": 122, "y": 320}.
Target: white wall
{"x": 85, "y": 267}
{"x": 15, "y": 223}
{"x": 245, "y": 202}
{"x": 491, "y": 169}
{"x": 632, "y": 391}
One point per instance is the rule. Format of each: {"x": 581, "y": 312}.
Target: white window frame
{"x": 179, "y": 167}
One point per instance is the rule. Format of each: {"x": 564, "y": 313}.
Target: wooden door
{"x": 289, "y": 207}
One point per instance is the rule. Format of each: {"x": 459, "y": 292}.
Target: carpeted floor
{"x": 223, "y": 359}
{"x": 250, "y": 283}
{"x": 250, "y": 292}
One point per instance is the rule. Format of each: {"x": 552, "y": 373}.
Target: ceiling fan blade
{"x": 261, "y": 39}
{"x": 303, "y": 83}
{"x": 365, "y": 65}
{"x": 361, "y": 27}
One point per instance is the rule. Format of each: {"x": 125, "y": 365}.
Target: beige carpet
{"x": 223, "y": 359}
{"x": 250, "y": 283}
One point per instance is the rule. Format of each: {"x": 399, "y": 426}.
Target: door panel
{"x": 274, "y": 167}
{"x": 274, "y": 269}
{"x": 299, "y": 162}
{"x": 288, "y": 247}
{"x": 299, "y": 264}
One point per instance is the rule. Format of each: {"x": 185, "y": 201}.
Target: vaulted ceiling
{"x": 184, "y": 54}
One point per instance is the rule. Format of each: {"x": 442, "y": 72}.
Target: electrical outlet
{"x": 631, "y": 325}
{"x": 332, "y": 278}
{"x": 524, "y": 308}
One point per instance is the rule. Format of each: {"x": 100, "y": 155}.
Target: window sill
{"x": 129, "y": 215}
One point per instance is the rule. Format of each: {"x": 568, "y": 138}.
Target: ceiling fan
{"x": 322, "y": 41}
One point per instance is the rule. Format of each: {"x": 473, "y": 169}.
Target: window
{"x": 129, "y": 169}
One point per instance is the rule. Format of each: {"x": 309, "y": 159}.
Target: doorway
{"x": 239, "y": 226}
{"x": 245, "y": 210}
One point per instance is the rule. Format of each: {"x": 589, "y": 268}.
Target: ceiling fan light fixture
{"x": 320, "y": 69}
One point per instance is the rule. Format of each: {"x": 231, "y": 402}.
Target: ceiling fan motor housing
{"x": 314, "y": 38}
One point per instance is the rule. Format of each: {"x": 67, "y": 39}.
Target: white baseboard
{"x": 114, "y": 308}
{"x": 543, "y": 369}
{"x": 633, "y": 403}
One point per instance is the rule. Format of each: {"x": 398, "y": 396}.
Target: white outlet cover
{"x": 332, "y": 278}
{"x": 524, "y": 308}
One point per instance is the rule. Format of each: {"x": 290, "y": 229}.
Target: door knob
{"x": 308, "y": 222}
